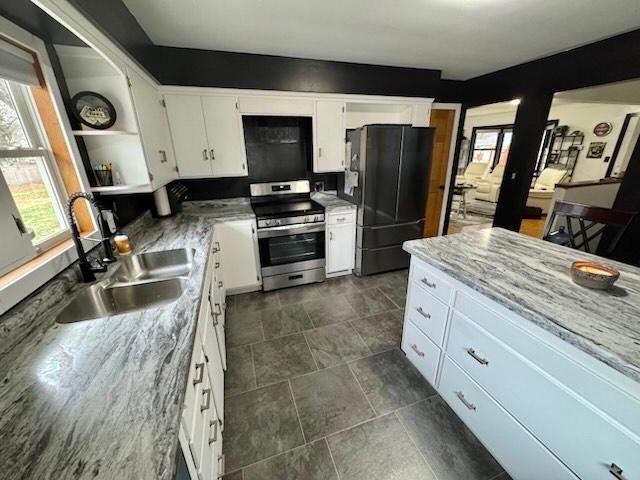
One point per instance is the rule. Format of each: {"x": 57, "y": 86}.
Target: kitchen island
{"x": 526, "y": 357}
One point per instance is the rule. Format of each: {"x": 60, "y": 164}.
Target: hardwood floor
{"x": 531, "y": 227}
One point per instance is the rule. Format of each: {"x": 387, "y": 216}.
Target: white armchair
{"x": 475, "y": 172}
{"x": 489, "y": 189}
{"x": 541, "y": 194}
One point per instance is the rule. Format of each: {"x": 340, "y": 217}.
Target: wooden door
{"x": 442, "y": 121}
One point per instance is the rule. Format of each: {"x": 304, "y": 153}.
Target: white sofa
{"x": 541, "y": 194}
{"x": 474, "y": 173}
{"x": 489, "y": 189}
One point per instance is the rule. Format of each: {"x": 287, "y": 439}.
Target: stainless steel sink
{"x": 141, "y": 282}
{"x": 100, "y": 300}
{"x": 153, "y": 266}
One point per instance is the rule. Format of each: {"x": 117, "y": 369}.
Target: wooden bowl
{"x": 594, "y": 275}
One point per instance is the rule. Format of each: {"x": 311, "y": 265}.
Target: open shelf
{"x": 101, "y": 133}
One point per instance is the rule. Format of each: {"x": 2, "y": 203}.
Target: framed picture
{"x": 602, "y": 129}
{"x": 596, "y": 149}
{"x": 93, "y": 110}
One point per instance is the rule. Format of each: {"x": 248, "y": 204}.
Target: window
{"x": 29, "y": 171}
{"x": 491, "y": 144}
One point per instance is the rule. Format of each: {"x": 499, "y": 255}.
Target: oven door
{"x": 291, "y": 248}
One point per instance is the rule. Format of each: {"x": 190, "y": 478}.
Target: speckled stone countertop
{"x": 331, "y": 202}
{"x": 532, "y": 278}
{"x": 101, "y": 399}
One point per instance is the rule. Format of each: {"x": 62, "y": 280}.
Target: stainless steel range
{"x": 291, "y": 234}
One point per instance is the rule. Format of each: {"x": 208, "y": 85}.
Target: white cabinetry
{"x": 341, "y": 242}
{"x": 154, "y": 129}
{"x": 239, "y": 243}
{"x": 513, "y": 383}
{"x": 329, "y": 132}
{"x": 207, "y": 135}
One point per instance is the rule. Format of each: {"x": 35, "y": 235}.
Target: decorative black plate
{"x": 93, "y": 110}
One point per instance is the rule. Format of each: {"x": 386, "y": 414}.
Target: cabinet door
{"x": 226, "y": 136}
{"x": 216, "y": 357}
{"x": 341, "y": 248}
{"x": 239, "y": 250}
{"x": 189, "y": 136}
{"x": 330, "y": 136}
{"x": 154, "y": 129}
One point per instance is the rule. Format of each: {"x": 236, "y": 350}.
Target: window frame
{"x": 40, "y": 148}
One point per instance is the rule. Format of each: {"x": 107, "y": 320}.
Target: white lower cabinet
{"x": 341, "y": 243}
{"x": 238, "y": 242}
{"x": 493, "y": 369}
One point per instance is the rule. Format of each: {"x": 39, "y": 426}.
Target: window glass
{"x": 486, "y": 140}
{"x": 27, "y": 168}
{"x": 505, "y": 147}
{"x": 483, "y": 156}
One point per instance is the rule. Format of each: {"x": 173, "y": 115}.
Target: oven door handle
{"x": 284, "y": 230}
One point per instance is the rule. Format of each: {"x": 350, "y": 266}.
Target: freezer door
{"x": 369, "y": 262}
{"x": 385, "y": 236}
{"x": 380, "y": 162}
{"x": 415, "y": 166}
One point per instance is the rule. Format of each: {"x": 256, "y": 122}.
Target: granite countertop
{"x": 331, "y": 202}
{"x": 532, "y": 278}
{"x": 102, "y": 398}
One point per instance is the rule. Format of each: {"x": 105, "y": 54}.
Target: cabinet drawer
{"x": 341, "y": 218}
{"x": 420, "y": 351}
{"x": 424, "y": 276}
{"x": 574, "y": 430}
{"x": 517, "y": 451}
{"x": 427, "y": 313}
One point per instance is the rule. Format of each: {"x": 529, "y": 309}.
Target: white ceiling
{"x": 625, "y": 93}
{"x": 464, "y": 38}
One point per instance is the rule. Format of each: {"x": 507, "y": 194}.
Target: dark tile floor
{"x": 318, "y": 389}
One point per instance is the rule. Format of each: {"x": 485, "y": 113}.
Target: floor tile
{"x": 335, "y": 344}
{"x": 390, "y": 381}
{"x": 396, "y": 292}
{"x": 381, "y": 332}
{"x": 337, "y": 286}
{"x": 255, "y": 301}
{"x": 240, "y": 375}
{"x": 379, "y": 449}
{"x": 303, "y": 293}
{"x": 309, "y": 462}
{"x": 328, "y": 310}
{"x": 369, "y": 302}
{"x": 328, "y": 401}
{"x": 260, "y": 424}
{"x": 284, "y": 321}
{"x": 452, "y": 451}
{"x": 237, "y": 475}
{"x": 243, "y": 327}
{"x": 372, "y": 281}
{"x": 282, "y": 358}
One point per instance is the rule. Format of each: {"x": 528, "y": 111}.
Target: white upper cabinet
{"x": 225, "y": 135}
{"x": 189, "y": 136}
{"x": 154, "y": 129}
{"x": 207, "y": 135}
{"x": 329, "y": 132}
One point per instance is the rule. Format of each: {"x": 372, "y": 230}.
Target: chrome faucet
{"x": 87, "y": 268}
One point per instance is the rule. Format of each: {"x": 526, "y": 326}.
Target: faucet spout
{"x": 88, "y": 269}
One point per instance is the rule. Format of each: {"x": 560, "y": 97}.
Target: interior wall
{"x": 578, "y": 116}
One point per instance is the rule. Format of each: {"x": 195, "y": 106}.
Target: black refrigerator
{"x": 393, "y": 163}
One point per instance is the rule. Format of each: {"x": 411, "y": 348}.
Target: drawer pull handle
{"x": 216, "y": 247}
{"x": 220, "y": 284}
{"x": 218, "y": 309}
{"x": 199, "y": 374}
{"x": 428, "y": 283}
{"x": 217, "y": 265}
{"x": 616, "y": 471}
{"x": 340, "y": 219}
{"x": 465, "y": 402}
{"x": 423, "y": 313}
{"x": 414, "y": 347}
{"x": 214, "y": 424}
{"x": 476, "y": 357}
{"x": 207, "y": 404}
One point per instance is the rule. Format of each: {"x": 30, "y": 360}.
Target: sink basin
{"x": 153, "y": 266}
{"x": 140, "y": 282}
{"x": 103, "y": 300}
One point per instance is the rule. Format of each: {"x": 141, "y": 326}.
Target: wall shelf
{"x": 101, "y": 133}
